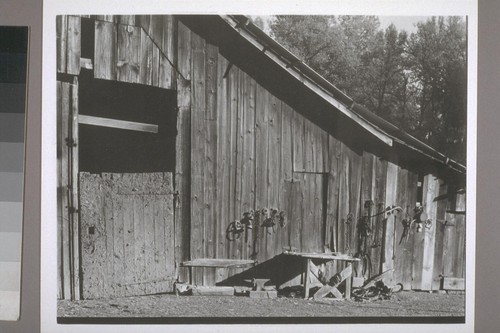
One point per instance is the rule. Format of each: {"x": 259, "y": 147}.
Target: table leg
{"x": 348, "y": 284}
{"x": 307, "y": 278}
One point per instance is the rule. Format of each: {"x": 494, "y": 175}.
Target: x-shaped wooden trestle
{"x": 345, "y": 275}
{"x": 311, "y": 270}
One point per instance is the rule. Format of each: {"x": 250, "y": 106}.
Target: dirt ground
{"x": 402, "y": 304}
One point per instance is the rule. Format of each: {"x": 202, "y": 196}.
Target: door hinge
{"x": 70, "y": 142}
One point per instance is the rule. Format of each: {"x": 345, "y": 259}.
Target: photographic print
{"x": 13, "y": 71}
{"x": 274, "y": 169}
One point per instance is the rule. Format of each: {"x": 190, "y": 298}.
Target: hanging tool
{"x": 234, "y": 230}
{"x": 364, "y": 232}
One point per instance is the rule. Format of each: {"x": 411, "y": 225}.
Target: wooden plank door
{"x": 307, "y": 212}
{"x": 127, "y": 233}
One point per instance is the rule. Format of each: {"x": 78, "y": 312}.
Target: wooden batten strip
{"x": 273, "y": 160}
{"x": 389, "y": 235}
{"x": 183, "y": 154}
{"x": 355, "y": 192}
{"x": 441, "y": 199}
{"x": 401, "y": 265}
{"x": 198, "y": 134}
{"x": 232, "y": 249}
{"x": 247, "y": 103}
{"x": 75, "y": 223}
{"x": 459, "y": 262}
{"x": 431, "y": 188}
{"x": 261, "y": 161}
{"x": 210, "y": 156}
{"x": 286, "y": 170}
{"x": 222, "y": 165}
{"x": 239, "y": 156}
{"x": 115, "y": 123}
{"x": 64, "y": 236}
{"x": 60, "y": 189}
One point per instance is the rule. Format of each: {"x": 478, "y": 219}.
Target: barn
{"x": 196, "y": 148}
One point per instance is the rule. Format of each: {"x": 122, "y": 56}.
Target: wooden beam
{"x": 346, "y": 274}
{"x": 115, "y": 123}
{"x": 212, "y": 291}
{"x": 86, "y": 63}
{"x": 307, "y": 277}
{"x": 221, "y": 263}
{"x": 322, "y": 256}
{"x": 451, "y": 283}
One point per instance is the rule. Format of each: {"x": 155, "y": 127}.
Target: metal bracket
{"x": 70, "y": 142}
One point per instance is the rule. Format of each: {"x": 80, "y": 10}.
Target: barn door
{"x": 127, "y": 234}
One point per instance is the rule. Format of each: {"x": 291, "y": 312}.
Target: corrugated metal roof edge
{"x": 377, "y": 122}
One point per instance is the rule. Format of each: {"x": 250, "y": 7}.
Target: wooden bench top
{"x": 322, "y": 256}
{"x": 218, "y": 263}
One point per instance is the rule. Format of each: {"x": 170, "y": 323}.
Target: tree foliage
{"x": 417, "y": 81}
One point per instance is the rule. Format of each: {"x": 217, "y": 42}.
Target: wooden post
{"x": 183, "y": 151}
{"x": 64, "y": 174}
{"x": 198, "y": 137}
{"x": 348, "y": 282}
{"x": 390, "y": 199}
{"x": 74, "y": 209}
{"x": 307, "y": 278}
{"x": 431, "y": 188}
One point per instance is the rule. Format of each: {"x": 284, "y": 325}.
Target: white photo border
{"x": 51, "y": 8}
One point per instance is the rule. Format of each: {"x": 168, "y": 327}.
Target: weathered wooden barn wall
{"x": 126, "y": 234}
{"x": 251, "y": 150}
{"x": 100, "y": 244}
{"x": 239, "y": 147}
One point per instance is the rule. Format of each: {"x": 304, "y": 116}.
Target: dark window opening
{"x": 105, "y": 149}
{"x": 88, "y": 36}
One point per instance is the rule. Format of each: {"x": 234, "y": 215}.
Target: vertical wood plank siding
{"x": 271, "y": 156}
{"x": 183, "y": 151}
{"x": 64, "y": 203}
{"x": 138, "y": 50}
{"x": 105, "y": 53}
{"x": 61, "y": 42}
{"x": 241, "y": 148}
{"x": 74, "y": 45}
{"x": 128, "y": 53}
{"x": 198, "y": 158}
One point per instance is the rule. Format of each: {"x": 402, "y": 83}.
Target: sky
{"x": 408, "y": 23}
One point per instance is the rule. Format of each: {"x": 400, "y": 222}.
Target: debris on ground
{"x": 379, "y": 291}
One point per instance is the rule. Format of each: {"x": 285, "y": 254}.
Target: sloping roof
{"x": 383, "y": 130}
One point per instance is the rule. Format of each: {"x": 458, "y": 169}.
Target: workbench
{"x": 311, "y": 270}
{"x": 216, "y": 263}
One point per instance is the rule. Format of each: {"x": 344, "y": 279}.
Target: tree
{"x": 314, "y": 39}
{"x": 417, "y": 82}
{"x": 438, "y": 63}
